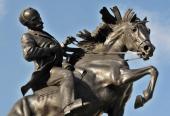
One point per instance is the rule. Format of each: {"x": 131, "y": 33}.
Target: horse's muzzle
{"x": 146, "y": 49}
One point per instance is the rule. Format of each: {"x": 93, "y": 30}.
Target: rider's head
{"x": 31, "y": 18}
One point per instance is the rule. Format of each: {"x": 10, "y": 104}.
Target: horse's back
{"x": 43, "y": 102}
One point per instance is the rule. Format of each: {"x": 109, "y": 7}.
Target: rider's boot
{"x": 69, "y": 109}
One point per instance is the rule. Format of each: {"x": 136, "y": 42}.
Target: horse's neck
{"x": 102, "y": 54}
{"x": 116, "y": 50}
{"x": 110, "y": 51}
{"x": 118, "y": 47}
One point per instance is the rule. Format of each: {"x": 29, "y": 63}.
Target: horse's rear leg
{"x": 128, "y": 76}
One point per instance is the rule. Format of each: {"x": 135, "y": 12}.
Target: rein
{"x": 74, "y": 41}
{"x": 121, "y": 53}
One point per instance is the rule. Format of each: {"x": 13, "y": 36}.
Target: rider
{"x": 47, "y": 54}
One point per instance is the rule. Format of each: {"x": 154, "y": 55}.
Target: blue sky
{"x": 67, "y": 17}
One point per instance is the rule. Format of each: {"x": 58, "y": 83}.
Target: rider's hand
{"x": 69, "y": 40}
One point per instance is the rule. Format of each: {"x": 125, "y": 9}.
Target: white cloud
{"x": 161, "y": 35}
{"x": 2, "y": 7}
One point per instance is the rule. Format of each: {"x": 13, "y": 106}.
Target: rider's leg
{"x": 65, "y": 79}
{"x": 69, "y": 103}
{"x": 67, "y": 87}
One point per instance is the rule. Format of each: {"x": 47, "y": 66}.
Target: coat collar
{"x": 41, "y": 34}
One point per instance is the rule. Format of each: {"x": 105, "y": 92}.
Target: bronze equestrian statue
{"x": 102, "y": 77}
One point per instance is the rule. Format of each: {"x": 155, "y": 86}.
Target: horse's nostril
{"x": 146, "y": 48}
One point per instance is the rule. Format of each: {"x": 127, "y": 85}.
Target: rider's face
{"x": 37, "y": 23}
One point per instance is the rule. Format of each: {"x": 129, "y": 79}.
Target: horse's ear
{"x": 145, "y": 20}
{"x": 134, "y": 18}
{"x": 107, "y": 17}
{"x": 117, "y": 14}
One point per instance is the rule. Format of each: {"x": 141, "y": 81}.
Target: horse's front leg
{"x": 128, "y": 76}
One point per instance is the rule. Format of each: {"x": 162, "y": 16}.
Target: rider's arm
{"x": 31, "y": 51}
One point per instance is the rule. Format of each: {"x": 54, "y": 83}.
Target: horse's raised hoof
{"x": 139, "y": 102}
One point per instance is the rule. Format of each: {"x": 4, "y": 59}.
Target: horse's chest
{"x": 114, "y": 97}
{"x": 123, "y": 94}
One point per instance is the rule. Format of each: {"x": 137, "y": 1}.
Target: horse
{"x": 103, "y": 79}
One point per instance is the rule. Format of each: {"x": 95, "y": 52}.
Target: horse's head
{"x": 133, "y": 32}
{"x": 137, "y": 38}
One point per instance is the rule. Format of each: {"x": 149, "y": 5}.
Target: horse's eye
{"x": 134, "y": 29}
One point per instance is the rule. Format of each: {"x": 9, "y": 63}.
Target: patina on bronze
{"x": 102, "y": 77}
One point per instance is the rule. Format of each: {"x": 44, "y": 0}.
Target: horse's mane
{"x": 91, "y": 39}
